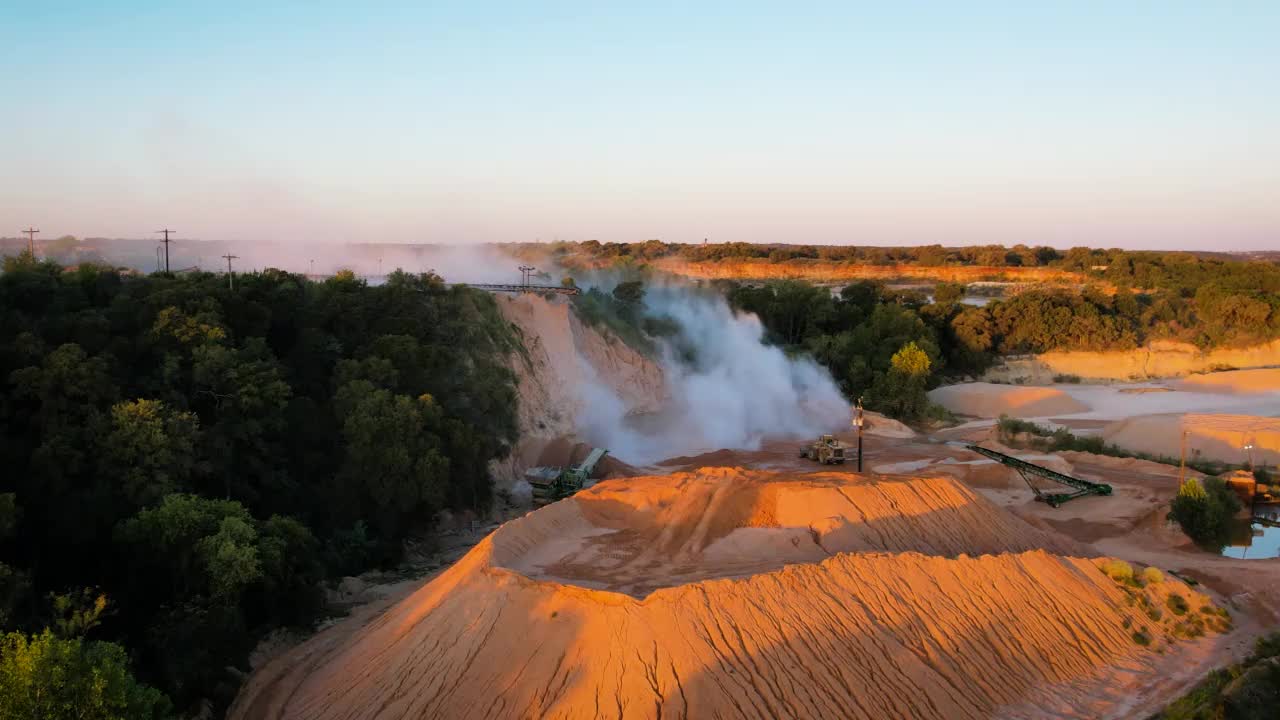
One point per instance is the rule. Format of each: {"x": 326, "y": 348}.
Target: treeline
{"x": 930, "y": 255}
{"x": 1142, "y": 270}
{"x": 185, "y": 464}
{"x": 857, "y": 332}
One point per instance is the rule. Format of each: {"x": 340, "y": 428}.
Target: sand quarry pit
{"x": 991, "y": 400}
{"x": 734, "y": 593}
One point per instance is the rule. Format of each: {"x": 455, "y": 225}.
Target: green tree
{"x": 14, "y": 583}
{"x": 394, "y": 463}
{"x": 148, "y": 451}
{"x": 1204, "y": 510}
{"x": 900, "y": 392}
{"x": 243, "y": 399}
{"x": 946, "y": 292}
{"x": 201, "y": 546}
{"x": 44, "y": 676}
{"x": 630, "y": 291}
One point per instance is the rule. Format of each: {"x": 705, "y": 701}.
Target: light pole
{"x": 313, "y": 268}
{"x": 1249, "y": 449}
{"x": 857, "y": 423}
{"x": 1182, "y": 464}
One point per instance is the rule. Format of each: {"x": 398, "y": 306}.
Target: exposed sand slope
{"x": 560, "y": 351}
{"x": 1235, "y": 382}
{"x": 1159, "y": 359}
{"x": 880, "y": 425}
{"x": 989, "y": 400}
{"x": 1214, "y": 437}
{"x": 879, "y": 631}
{"x": 653, "y": 532}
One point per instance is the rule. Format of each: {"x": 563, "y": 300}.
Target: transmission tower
{"x": 166, "y": 242}
{"x": 31, "y": 239}
{"x": 231, "y": 276}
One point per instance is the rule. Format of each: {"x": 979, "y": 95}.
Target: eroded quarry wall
{"x": 562, "y": 355}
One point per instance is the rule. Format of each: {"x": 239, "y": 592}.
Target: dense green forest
{"x": 860, "y": 332}
{"x": 185, "y": 463}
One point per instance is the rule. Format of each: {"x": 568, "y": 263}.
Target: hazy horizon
{"x": 1147, "y": 126}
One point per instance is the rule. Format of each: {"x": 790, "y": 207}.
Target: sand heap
{"x": 1211, "y": 437}
{"x": 990, "y": 400}
{"x": 728, "y": 593}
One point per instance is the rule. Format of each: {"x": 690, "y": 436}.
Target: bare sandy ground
{"x": 1159, "y": 359}
{"x": 932, "y": 587}
{"x": 989, "y": 400}
{"x": 739, "y": 593}
{"x": 1215, "y": 437}
{"x": 1235, "y": 382}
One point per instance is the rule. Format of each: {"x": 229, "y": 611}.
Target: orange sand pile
{"x": 1212, "y": 437}
{"x": 1235, "y": 382}
{"x": 989, "y": 400}
{"x": 744, "y": 594}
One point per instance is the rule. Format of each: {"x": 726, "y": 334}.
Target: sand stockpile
{"x": 743, "y": 594}
{"x": 1235, "y": 382}
{"x": 882, "y": 426}
{"x": 989, "y": 400}
{"x": 1210, "y": 437}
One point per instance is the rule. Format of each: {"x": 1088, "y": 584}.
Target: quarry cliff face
{"x": 561, "y": 356}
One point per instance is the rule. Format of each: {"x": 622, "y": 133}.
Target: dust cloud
{"x": 726, "y": 388}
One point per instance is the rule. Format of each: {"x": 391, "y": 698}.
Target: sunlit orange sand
{"x": 732, "y": 593}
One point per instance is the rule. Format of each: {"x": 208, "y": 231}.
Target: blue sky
{"x": 1135, "y": 124}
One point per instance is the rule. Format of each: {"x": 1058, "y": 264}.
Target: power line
{"x": 231, "y": 277}
{"x": 166, "y": 242}
{"x": 31, "y": 239}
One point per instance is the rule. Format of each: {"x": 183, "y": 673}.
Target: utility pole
{"x": 857, "y": 422}
{"x": 231, "y": 277}
{"x": 166, "y": 242}
{"x": 31, "y": 239}
{"x": 525, "y": 272}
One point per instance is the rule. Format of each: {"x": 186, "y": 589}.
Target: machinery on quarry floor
{"x": 556, "y": 483}
{"x": 826, "y": 450}
{"x": 1026, "y": 469}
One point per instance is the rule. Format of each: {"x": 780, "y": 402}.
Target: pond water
{"x": 1256, "y": 539}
